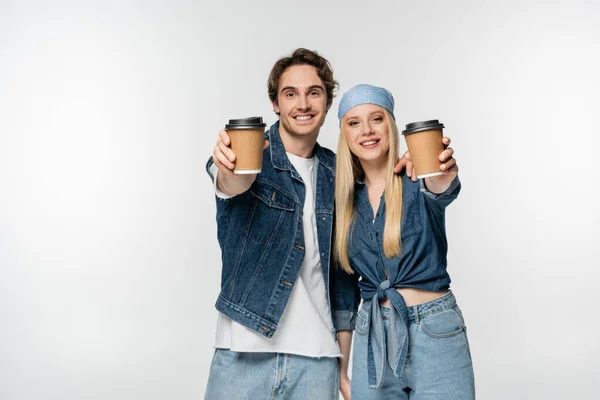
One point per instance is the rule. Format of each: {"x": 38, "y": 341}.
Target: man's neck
{"x": 301, "y": 146}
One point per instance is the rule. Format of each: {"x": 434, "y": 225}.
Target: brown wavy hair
{"x": 303, "y": 56}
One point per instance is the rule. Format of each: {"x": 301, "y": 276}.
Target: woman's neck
{"x": 375, "y": 174}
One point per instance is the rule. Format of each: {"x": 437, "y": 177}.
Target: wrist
{"x": 438, "y": 184}
{"x": 343, "y": 371}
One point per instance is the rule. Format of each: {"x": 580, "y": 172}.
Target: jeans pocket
{"x": 443, "y": 324}
{"x": 223, "y": 358}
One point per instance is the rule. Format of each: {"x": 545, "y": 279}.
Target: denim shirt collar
{"x": 280, "y": 159}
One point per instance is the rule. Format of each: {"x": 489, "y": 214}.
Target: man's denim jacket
{"x": 262, "y": 243}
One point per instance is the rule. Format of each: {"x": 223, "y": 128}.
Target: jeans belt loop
{"x": 416, "y": 311}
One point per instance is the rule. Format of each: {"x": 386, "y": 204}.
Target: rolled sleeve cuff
{"x": 344, "y": 320}
{"x": 453, "y": 185}
{"x": 213, "y": 172}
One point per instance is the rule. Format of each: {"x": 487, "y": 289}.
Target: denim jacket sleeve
{"x": 208, "y": 167}
{"x": 222, "y": 203}
{"x": 439, "y": 202}
{"x": 345, "y": 297}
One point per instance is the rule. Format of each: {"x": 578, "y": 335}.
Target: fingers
{"x": 406, "y": 164}
{"x": 224, "y": 137}
{"x": 448, "y": 164}
{"x": 222, "y": 168}
{"x": 267, "y": 144}
{"x": 223, "y": 156}
{"x": 225, "y": 149}
{"x": 446, "y": 154}
{"x": 410, "y": 171}
{"x": 446, "y": 140}
{"x": 452, "y": 170}
{"x": 400, "y": 165}
{"x": 447, "y": 157}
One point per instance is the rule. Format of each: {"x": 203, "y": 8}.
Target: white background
{"x": 109, "y": 264}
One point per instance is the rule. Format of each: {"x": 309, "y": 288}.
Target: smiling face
{"x": 301, "y": 103}
{"x": 367, "y": 131}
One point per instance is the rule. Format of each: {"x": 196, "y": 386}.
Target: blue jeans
{"x": 438, "y": 366}
{"x": 267, "y": 376}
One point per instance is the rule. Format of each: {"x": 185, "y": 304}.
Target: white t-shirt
{"x": 305, "y": 327}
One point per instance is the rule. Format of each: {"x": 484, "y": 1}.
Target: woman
{"x": 410, "y": 340}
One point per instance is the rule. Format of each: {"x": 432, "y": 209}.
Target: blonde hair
{"x": 348, "y": 169}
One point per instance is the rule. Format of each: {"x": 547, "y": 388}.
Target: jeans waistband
{"x": 421, "y": 310}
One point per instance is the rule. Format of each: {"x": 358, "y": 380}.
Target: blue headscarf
{"x": 366, "y": 94}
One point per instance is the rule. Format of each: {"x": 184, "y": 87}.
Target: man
{"x": 282, "y": 300}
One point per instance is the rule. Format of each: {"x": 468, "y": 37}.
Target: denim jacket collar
{"x": 280, "y": 159}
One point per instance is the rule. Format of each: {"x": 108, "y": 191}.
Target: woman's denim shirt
{"x": 422, "y": 265}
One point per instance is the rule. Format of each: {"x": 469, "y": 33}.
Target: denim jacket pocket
{"x": 272, "y": 196}
{"x": 443, "y": 324}
{"x": 272, "y": 216}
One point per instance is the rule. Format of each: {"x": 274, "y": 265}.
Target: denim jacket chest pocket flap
{"x": 272, "y": 218}
{"x": 272, "y": 196}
